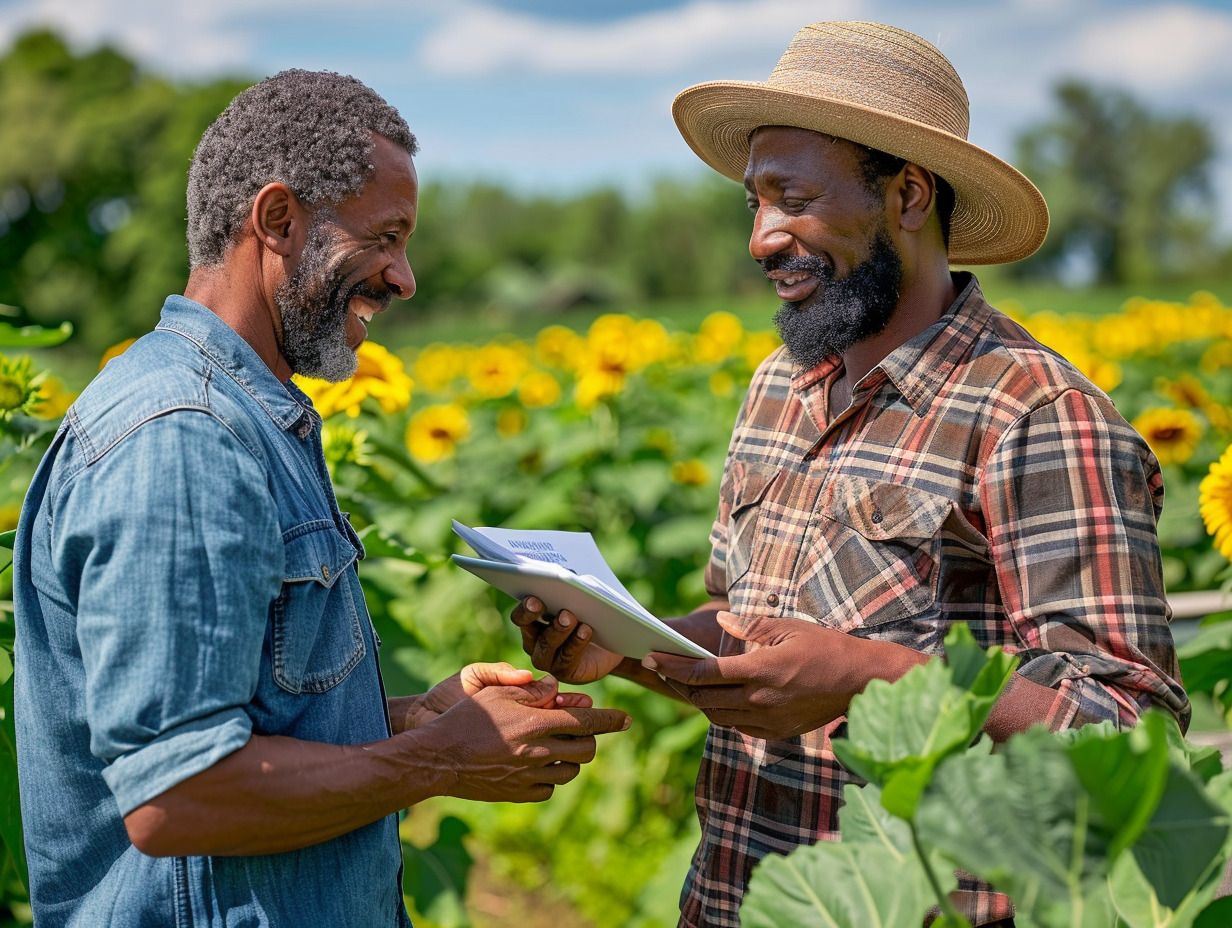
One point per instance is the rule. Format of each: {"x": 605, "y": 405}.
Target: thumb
{"x": 540, "y": 693}
{"x": 761, "y": 629}
{"x": 475, "y": 677}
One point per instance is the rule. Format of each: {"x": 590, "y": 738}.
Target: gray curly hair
{"x": 311, "y": 130}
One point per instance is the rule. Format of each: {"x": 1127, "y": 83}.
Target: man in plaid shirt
{"x": 910, "y": 458}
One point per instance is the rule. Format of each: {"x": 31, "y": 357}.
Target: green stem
{"x": 953, "y": 918}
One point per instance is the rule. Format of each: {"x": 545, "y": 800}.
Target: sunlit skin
{"x": 373, "y": 229}
{"x": 491, "y": 732}
{"x": 808, "y": 199}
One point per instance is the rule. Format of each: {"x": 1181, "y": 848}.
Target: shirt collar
{"x": 284, "y": 403}
{"x": 920, "y": 366}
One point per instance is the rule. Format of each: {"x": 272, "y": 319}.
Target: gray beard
{"x": 314, "y": 303}
{"x": 839, "y": 313}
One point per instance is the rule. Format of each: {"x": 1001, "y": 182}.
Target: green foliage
{"x": 434, "y": 877}
{"x": 93, "y": 160}
{"x": 1088, "y": 828}
{"x": 1128, "y": 189}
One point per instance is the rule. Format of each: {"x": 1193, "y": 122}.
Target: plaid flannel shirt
{"x": 976, "y": 477}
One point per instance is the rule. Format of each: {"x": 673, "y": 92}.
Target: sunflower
{"x": 718, "y": 337}
{"x": 115, "y": 351}
{"x": 1215, "y": 503}
{"x": 437, "y": 366}
{"x": 690, "y": 473}
{"x": 1172, "y": 433}
{"x": 494, "y": 370}
{"x": 538, "y": 389}
{"x": 380, "y": 375}
{"x": 435, "y": 432}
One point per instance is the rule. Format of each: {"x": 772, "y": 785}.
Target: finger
{"x": 475, "y": 677}
{"x": 765, "y": 630}
{"x": 541, "y": 692}
{"x": 560, "y": 772}
{"x": 551, "y": 637}
{"x": 579, "y": 750}
{"x": 573, "y": 701}
{"x": 529, "y": 611}
{"x": 592, "y": 722}
{"x": 693, "y": 671}
{"x": 574, "y": 649}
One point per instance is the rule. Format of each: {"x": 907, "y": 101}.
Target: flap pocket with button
{"x": 317, "y": 636}
{"x": 751, "y": 483}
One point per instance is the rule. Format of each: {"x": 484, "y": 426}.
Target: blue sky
{"x": 567, "y": 94}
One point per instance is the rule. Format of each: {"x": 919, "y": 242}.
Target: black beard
{"x": 839, "y": 313}
{"x": 314, "y": 303}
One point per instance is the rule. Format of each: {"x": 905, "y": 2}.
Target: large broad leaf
{"x": 1206, "y": 659}
{"x": 1022, "y": 820}
{"x": 10, "y": 808}
{"x": 898, "y": 732}
{"x": 1124, "y": 776}
{"x": 33, "y": 336}
{"x": 842, "y": 885}
{"x": 435, "y": 877}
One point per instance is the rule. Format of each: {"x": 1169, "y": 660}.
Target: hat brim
{"x": 999, "y": 216}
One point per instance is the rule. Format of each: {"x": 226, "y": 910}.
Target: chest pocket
{"x": 317, "y": 636}
{"x": 752, "y": 482}
{"x": 883, "y": 557}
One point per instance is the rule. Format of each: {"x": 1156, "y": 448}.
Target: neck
{"x": 233, "y": 291}
{"x": 923, "y": 299}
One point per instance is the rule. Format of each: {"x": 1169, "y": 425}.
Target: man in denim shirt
{"x": 203, "y": 737}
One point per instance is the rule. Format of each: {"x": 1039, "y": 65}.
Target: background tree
{"x": 93, "y": 160}
{"x": 1129, "y": 189}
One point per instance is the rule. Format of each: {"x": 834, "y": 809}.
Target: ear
{"x": 279, "y": 219}
{"x": 916, "y": 190}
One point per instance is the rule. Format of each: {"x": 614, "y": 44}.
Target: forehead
{"x": 786, "y": 153}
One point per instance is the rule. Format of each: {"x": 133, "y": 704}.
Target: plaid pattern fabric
{"x": 976, "y": 477}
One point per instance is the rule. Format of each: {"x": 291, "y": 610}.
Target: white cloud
{"x": 478, "y": 39}
{"x": 1168, "y": 47}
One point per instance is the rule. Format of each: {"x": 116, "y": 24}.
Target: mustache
{"x": 381, "y": 297}
{"x": 815, "y": 265}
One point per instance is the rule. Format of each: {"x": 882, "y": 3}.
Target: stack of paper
{"x": 566, "y": 571}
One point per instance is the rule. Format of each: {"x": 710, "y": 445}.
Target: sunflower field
{"x": 621, "y": 430}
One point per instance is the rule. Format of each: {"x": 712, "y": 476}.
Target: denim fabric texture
{"x": 183, "y": 579}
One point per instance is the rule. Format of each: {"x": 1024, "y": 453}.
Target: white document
{"x": 566, "y": 571}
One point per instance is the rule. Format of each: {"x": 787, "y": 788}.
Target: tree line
{"x": 94, "y": 152}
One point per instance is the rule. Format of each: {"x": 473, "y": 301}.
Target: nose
{"x": 769, "y": 235}
{"x": 400, "y": 279}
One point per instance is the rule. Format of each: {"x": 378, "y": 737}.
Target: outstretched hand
{"x": 798, "y": 677}
{"x": 517, "y": 743}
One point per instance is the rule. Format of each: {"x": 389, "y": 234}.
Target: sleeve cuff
{"x": 137, "y": 777}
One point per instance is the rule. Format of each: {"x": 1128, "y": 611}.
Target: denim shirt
{"x": 183, "y": 579}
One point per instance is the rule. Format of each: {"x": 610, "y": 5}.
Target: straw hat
{"x": 886, "y": 89}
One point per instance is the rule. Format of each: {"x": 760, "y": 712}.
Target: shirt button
{"x": 877, "y": 517}
{"x": 325, "y": 571}
{"x": 772, "y": 599}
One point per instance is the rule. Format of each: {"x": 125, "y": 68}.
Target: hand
{"x": 408, "y": 712}
{"x": 800, "y": 676}
{"x": 504, "y": 746}
{"x": 562, "y": 646}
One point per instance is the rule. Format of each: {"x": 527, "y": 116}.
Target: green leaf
{"x": 7, "y": 538}
{"x": 1206, "y": 659}
{"x": 10, "y": 807}
{"x": 844, "y": 885}
{"x": 1124, "y": 775}
{"x": 1216, "y": 915}
{"x": 1021, "y": 820}
{"x": 33, "y": 336}
{"x": 435, "y": 877}
{"x": 379, "y": 544}
{"x": 898, "y": 732}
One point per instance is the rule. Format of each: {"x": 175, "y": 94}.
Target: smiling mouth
{"x": 793, "y": 288}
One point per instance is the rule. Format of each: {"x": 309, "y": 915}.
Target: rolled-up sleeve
{"x": 1071, "y": 496}
{"x": 174, "y": 542}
